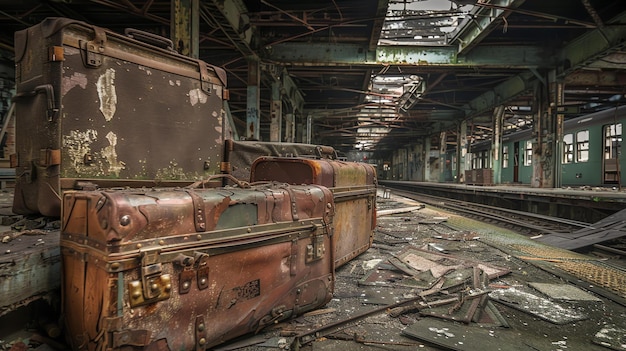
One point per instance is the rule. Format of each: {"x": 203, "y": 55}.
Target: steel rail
{"x": 527, "y": 220}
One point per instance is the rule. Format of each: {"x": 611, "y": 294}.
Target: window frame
{"x": 568, "y": 149}
{"x": 528, "y": 153}
{"x": 582, "y": 146}
{"x": 505, "y": 156}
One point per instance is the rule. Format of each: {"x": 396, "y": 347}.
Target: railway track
{"x": 528, "y": 223}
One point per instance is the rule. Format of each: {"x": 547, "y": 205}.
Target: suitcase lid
{"x": 128, "y": 220}
{"x": 52, "y": 25}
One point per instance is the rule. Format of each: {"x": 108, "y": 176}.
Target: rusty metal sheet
{"x": 138, "y": 270}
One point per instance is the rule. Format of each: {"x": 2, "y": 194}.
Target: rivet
{"x": 202, "y": 341}
{"x": 199, "y": 237}
{"x": 136, "y": 295}
{"x": 201, "y": 327}
{"x": 186, "y": 285}
{"x": 249, "y": 230}
{"x": 154, "y": 286}
{"x": 161, "y": 242}
{"x": 125, "y": 220}
{"x": 139, "y": 246}
{"x": 168, "y": 287}
{"x": 115, "y": 266}
{"x": 202, "y": 281}
{"x": 329, "y": 205}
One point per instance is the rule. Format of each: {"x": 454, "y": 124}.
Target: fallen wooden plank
{"x": 393, "y": 211}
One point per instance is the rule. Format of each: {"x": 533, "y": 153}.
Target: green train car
{"x": 590, "y": 151}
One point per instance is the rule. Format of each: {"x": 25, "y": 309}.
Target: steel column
{"x": 496, "y": 146}
{"x": 253, "y": 118}
{"x": 184, "y": 27}
{"x": 276, "y": 113}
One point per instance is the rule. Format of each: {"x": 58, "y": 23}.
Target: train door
{"x": 516, "y": 162}
{"x": 612, "y": 144}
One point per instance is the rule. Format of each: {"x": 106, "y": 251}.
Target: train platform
{"x": 584, "y": 203}
{"x": 438, "y": 281}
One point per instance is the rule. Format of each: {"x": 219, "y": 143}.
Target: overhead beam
{"x": 312, "y": 54}
{"x": 481, "y": 21}
{"x": 377, "y": 24}
{"x": 581, "y": 52}
{"x": 590, "y": 47}
{"x": 502, "y": 93}
{"x": 330, "y": 54}
{"x": 596, "y": 78}
{"x": 230, "y": 17}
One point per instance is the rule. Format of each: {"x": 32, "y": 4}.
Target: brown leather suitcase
{"x": 97, "y": 107}
{"x": 187, "y": 269}
{"x": 353, "y": 185}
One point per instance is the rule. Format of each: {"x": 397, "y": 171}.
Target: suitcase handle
{"x": 53, "y": 111}
{"x": 242, "y": 184}
{"x": 150, "y": 38}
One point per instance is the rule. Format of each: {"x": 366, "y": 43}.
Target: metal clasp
{"x": 153, "y": 285}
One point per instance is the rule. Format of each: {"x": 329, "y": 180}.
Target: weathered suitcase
{"x": 353, "y": 185}
{"x": 94, "y": 106}
{"x": 239, "y": 155}
{"x": 188, "y": 269}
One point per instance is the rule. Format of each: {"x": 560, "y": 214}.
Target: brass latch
{"x": 316, "y": 249}
{"x": 153, "y": 285}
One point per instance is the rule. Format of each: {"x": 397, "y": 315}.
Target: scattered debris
{"x": 611, "y": 336}
{"x": 563, "y": 292}
{"x": 537, "y": 306}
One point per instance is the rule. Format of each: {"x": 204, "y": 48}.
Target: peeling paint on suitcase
{"x": 191, "y": 268}
{"x": 353, "y": 185}
{"x": 99, "y": 107}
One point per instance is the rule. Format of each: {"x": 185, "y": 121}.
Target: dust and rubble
{"x": 437, "y": 281}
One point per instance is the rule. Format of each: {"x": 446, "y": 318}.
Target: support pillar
{"x": 545, "y": 156}
{"x": 299, "y": 131}
{"x": 496, "y": 145}
{"x": 276, "y": 114}
{"x": 461, "y": 150}
{"x": 558, "y": 99}
{"x": 289, "y": 128}
{"x": 443, "y": 165}
{"x": 184, "y": 27}
{"x": 309, "y": 128}
{"x": 253, "y": 117}
{"x": 427, "y": 163}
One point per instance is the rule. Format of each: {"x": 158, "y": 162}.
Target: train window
{"x": 568, "y": 148}
{"x": 528, "y": 153}
{"x": 582, "y": 146}
{"x": 612, "y": 141}
{"x": 505, "y": 156}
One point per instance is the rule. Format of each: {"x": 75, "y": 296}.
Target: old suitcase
{"x": 353, "y": 185}
{"x": 188, "y": 269}
{"x": 97, "y": 107}
{"x": 240, "y": 155}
